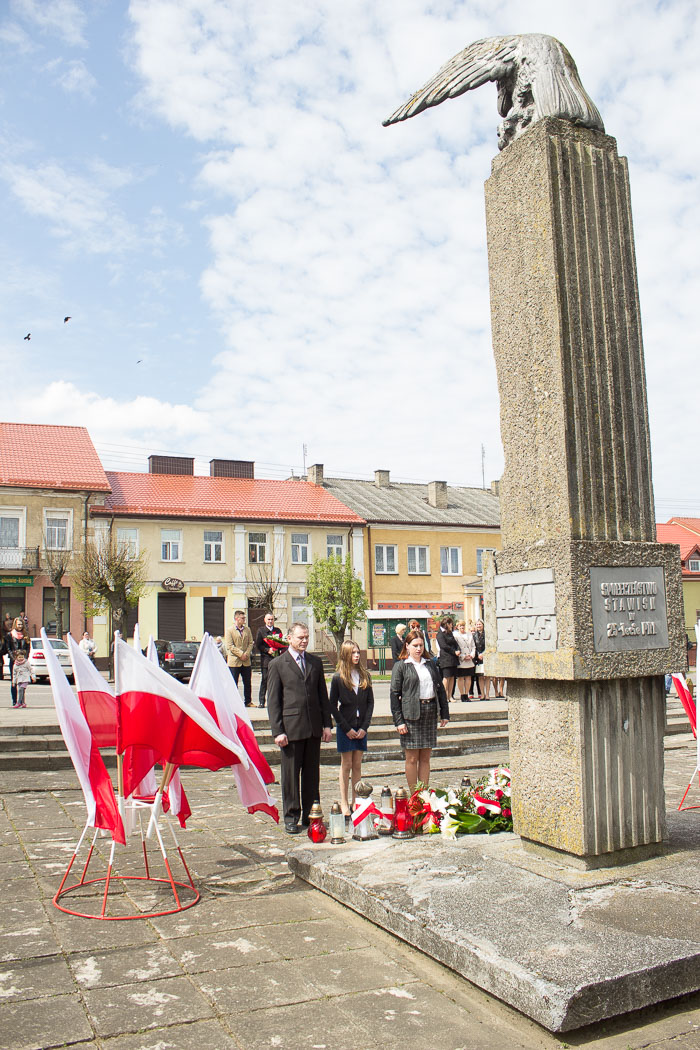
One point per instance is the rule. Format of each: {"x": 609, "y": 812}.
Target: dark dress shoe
{"x": 291, "y": 828}
{"x": 304, "y": 822}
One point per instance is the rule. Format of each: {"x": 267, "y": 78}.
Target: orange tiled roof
{"x": 36, "y": 456}
{"x": 673, "y": 532}
{"x": 187, "y": 496}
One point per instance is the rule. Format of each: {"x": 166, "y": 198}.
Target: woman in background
{"x": 467, "y": 650}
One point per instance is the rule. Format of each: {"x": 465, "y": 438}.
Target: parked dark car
{"x": 177, "y": 658}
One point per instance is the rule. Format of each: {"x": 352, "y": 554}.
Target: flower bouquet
{"x": 276, "y": 644}
{"x": 482, "y": 807}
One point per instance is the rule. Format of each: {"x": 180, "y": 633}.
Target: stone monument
{"x": 583, "y": 607}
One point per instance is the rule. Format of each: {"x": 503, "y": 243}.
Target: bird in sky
{"x": 67, "y": 319}
{"x": 139, "y": 361}
{"x": 28, "y": 335}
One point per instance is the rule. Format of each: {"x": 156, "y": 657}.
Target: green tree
{"x": 336, "y": 595}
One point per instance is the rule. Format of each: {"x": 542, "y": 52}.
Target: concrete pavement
{"x": 262, "y": 961}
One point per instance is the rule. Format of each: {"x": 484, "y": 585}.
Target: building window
{"x": 213, "y": 546}
{"x": 334, "y": 546}
{"x": 257, "y": 547}
{"x": 385, "y": 559}
{"x": 11, "y": 539}
{"x": 170, "y": 544}
{"x": 300, "y": 548}
{"x": 418, "y": 561}
{"x": 451, "y": 561}
{"x": 694, "y": 565}
{"x": 57, "y": 530}
{"x": 129, "y": 538}
{"x": 480, "y": 551}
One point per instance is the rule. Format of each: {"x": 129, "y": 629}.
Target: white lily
{"x": 449, "y": 827}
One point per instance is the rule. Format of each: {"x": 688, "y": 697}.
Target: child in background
{"x": 22, "y": 675}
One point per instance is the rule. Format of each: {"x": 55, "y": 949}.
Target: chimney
{"x": 381, "y": 479}
{"x": 496, "y": 487}
{"x": 231, "y": 468}
{"x": 315, "y": 474}
{"x": 170, "y": 465}
{"x": 437, "y": 494}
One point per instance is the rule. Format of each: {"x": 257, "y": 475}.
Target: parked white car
{"x": 37, "y": 660}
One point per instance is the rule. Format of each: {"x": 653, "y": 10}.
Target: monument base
{"x": 616, "y": 859}
{"x": 588, "y": 763}
{"x": 564, "y": 947}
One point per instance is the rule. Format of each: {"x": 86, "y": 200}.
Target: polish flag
{"x": 177, "y": 799}
{"x": 95, "y": 696}
{"x": 686, "y": 699}
{"x": 212, "y": 682}
{"x": 156, "y": 711}
{"x": 102, "y": 810}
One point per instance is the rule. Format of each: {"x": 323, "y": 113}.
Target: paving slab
{"x": 302, "y": 1027}
{"x": 225, "y": 950}
{"x": 151, "y": 1004}
{"x": 565, "y": 950}
{"x": 35, "y": 978}
{"x": 202, "y": 1035}
{"x": 40, "y": 1024}
{"x": 123, "y": 966}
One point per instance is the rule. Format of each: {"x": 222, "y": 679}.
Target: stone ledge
{"x": 564, "y": 947}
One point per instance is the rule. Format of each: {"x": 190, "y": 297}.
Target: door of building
{"x": 213, "y": 616}
{"x": 12, "y": 602}
{"x": 171, "y": 618}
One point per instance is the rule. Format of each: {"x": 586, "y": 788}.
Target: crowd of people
{"x": 459, "y": 652}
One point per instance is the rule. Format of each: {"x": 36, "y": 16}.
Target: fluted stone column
{"x": 584, "y": 608}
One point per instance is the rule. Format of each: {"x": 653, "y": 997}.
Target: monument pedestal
{"x": 583, "y": 608}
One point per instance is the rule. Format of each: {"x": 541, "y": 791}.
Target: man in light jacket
{"x": 238, "y": 644}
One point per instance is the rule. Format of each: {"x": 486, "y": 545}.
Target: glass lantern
{"x": 386, "y": 824}
{"x": 336, "y": 821}
{"x": 317, "y": 829}
{"x": 403, "y": 821}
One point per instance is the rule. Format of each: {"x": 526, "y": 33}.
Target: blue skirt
{"x": 344, "y": 743}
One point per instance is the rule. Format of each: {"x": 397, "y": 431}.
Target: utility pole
{"x": 304, "y": 450}
{"x": 483, "y": 476}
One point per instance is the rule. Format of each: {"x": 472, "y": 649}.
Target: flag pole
{"x": 157, "y": 801}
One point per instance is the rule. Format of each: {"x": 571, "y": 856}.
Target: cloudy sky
{"x": 252, "y": 263}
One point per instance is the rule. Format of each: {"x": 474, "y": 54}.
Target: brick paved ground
{"x": 262, "y": 961}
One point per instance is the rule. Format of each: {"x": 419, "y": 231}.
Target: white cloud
{"x": 63, "y": 18}
{"x": 77, "y": 79}
{"x": 78, "y": 209}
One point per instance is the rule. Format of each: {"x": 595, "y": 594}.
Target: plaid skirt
{"x": 422, "y": 732}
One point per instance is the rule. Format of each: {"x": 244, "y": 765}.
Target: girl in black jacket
{"x": 352, "y": 704}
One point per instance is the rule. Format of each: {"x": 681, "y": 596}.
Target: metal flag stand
{"x": 186, "y": 898}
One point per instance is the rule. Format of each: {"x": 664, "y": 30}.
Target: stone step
{"x": 382, "y": 751}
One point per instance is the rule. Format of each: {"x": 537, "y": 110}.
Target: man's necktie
{"x": 302, "y": 664}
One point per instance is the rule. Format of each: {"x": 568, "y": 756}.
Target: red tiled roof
{"x": 691, "y": 524}
{"x": 36, "y": 456}
{"x": 672, "y": 532}
{"x": 178, "y": 496}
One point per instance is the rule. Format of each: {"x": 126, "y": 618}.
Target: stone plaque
{"x": 629, "y": 608}
{"x": 526, "y": 619}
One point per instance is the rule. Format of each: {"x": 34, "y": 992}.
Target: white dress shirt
{"x": 427, "y": 685}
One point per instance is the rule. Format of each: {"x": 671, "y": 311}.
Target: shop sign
{"x": 171, "y": 583}
{"x": 16, "y": 581}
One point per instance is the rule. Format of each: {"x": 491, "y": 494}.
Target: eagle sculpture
{"x": 536, "y": 77}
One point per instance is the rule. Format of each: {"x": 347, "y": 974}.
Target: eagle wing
{"x": 488, "y": 59}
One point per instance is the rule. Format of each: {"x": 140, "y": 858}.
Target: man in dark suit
{"x": 300, "y": 718}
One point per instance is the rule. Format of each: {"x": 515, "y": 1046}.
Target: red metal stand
{"x": 181, "y": 901}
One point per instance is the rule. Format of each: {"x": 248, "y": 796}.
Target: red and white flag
{"x": 177, "y": 799}
{"x": 212, "y": 682}
{"x": 158, "y": 712}
{"x": 101, "y": 803}
{"x": 96, "y": 697}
